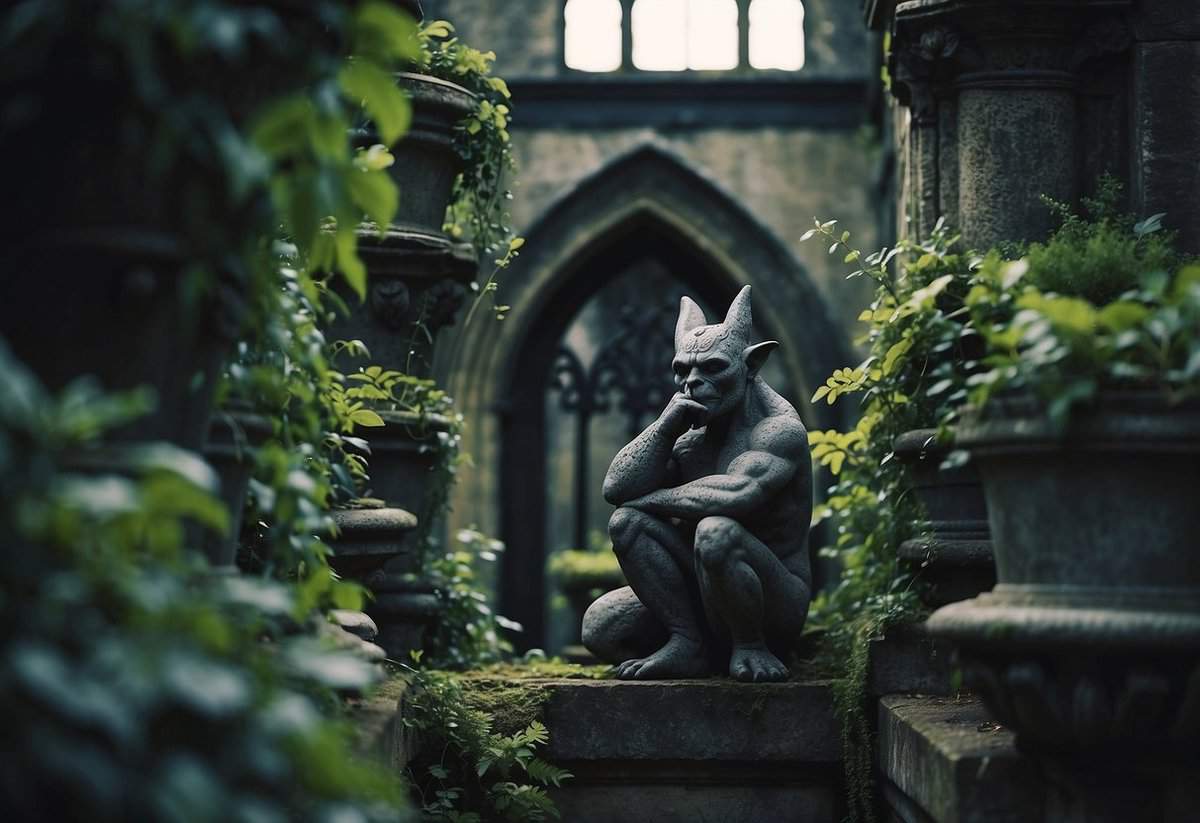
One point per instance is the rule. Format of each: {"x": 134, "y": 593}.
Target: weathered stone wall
{"x": 784, "y": 177}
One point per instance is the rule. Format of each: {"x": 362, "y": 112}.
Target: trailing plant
{"x": 142, "y": 686}
{"x": 469, "y": 771}
{"x": 429, "y": 418}
{"x": 915, "y": 375}
{"x": 469, "y": 633}
{"x": 479, "y": 206}
{"x": 313, "y": 460}
{"x": 1105, "y": 303}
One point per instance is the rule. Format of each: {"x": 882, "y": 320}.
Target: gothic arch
{"x": 648, "y": 195}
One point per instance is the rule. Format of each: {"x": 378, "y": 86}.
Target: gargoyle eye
{"x": 713, "y": 366}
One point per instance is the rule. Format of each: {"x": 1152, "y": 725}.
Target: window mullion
{"x": 627, "y": 35}
{"x": 743, "y": 34}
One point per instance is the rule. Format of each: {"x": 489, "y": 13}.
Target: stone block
{"x": 692, "y": 720}
{"x": 692, "y": 750}
{"x": 908, "y": 661}
{"x": 945, "y": 760}
{"x": 1166, "y": 100}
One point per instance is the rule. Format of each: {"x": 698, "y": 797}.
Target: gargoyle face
{"x": 714, "y": 364}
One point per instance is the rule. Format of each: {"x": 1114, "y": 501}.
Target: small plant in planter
{"x": 1086, "y": 430}
{"x": 582, "y": 575}
{"x": 415, "y": 436}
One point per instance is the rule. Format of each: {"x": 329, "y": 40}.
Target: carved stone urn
{"x": 377, "y": 547}
{"x": 1091, "y": 638}
{"x": 954, "y": 559}
{"x": 427, "y": 161}
{"x": 405, "y": 454}
{"x": 418, "y": 283}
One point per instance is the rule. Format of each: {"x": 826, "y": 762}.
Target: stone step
{"x": 695, "y": 750}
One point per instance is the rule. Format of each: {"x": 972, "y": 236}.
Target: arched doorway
{"x": 646, "y": 207}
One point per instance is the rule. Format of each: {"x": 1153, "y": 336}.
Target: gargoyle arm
{"x": 775, "y": 452}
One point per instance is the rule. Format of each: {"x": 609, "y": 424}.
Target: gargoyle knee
{"x": 717, "y": 541}
{"x": 624, "y": 527}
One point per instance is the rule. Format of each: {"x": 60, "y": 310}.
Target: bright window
{"x": 777, "y": 34}
{"x": 676, "y": 35}
{"x": 673, "y": 35}
{"x": 593, "y": 35}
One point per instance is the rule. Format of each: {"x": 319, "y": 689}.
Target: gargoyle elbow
{"x": 612, "y": 491}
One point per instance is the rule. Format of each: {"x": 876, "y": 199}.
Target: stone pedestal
{"x": 376, "y": 546}
{"x": 687, "y": 750}
{"x": 953, "y": 560}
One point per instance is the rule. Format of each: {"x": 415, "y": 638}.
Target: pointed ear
{"x": 756, "y": 355}
{"x": 738, "y": 317}
{"x": 690, "y": 317}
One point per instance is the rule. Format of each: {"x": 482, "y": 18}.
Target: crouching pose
{"x": 713, "y": 506}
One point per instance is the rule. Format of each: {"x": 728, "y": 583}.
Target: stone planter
{"x": 404, "y": 459}
{"x": 378, "y": 548}
{"x": 418, "y": 285}
{"x": 1091, "y": 638}
{"x": 110, "y": 304}
{"x": 426, "y": 159}
{"x": 954, "y": 560}
{"x": 233, "y": 437}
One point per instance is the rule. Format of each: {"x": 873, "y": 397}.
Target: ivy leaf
{"x": 1122, "y": 315}
{"x": 1150, "y": 225}
{"x": 384, "y": 33}
{"x": 897, "y": 351}
{"x": 348, "y": 261}
{"x": 365, "y": 82}
{"x": 376, "y": 194}
{"x": 367, "y": 417}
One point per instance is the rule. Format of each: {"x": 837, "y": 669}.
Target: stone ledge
{"x": 691, "y": 720}
{"x": 945, "y": 760}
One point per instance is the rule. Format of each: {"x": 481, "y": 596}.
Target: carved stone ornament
{"x": 389, "y": 302}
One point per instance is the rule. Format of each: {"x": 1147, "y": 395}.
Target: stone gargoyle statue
{"x": 713, "y": 505}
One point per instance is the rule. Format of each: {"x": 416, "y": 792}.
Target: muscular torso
{"x": 782, "y": 521}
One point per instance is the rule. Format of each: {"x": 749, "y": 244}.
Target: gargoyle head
{"x": 714, "y": 364}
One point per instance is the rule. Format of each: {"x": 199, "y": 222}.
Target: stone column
{"x": 993, "y": 88}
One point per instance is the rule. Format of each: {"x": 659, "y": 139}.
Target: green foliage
{"x": 240, "y": 111}
{"x": 468, "y": 632}
{"x": 479, "y": 207}
{"x": 1101, "y": 252}
{"x": 920, "y": 355}
{"x": 469, "y": 771}
{"x": 142, "y": 686}
{"x": 479, "y": 210}
{"x": 585, "y": 568}
{"x": 1095, "y": 307}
